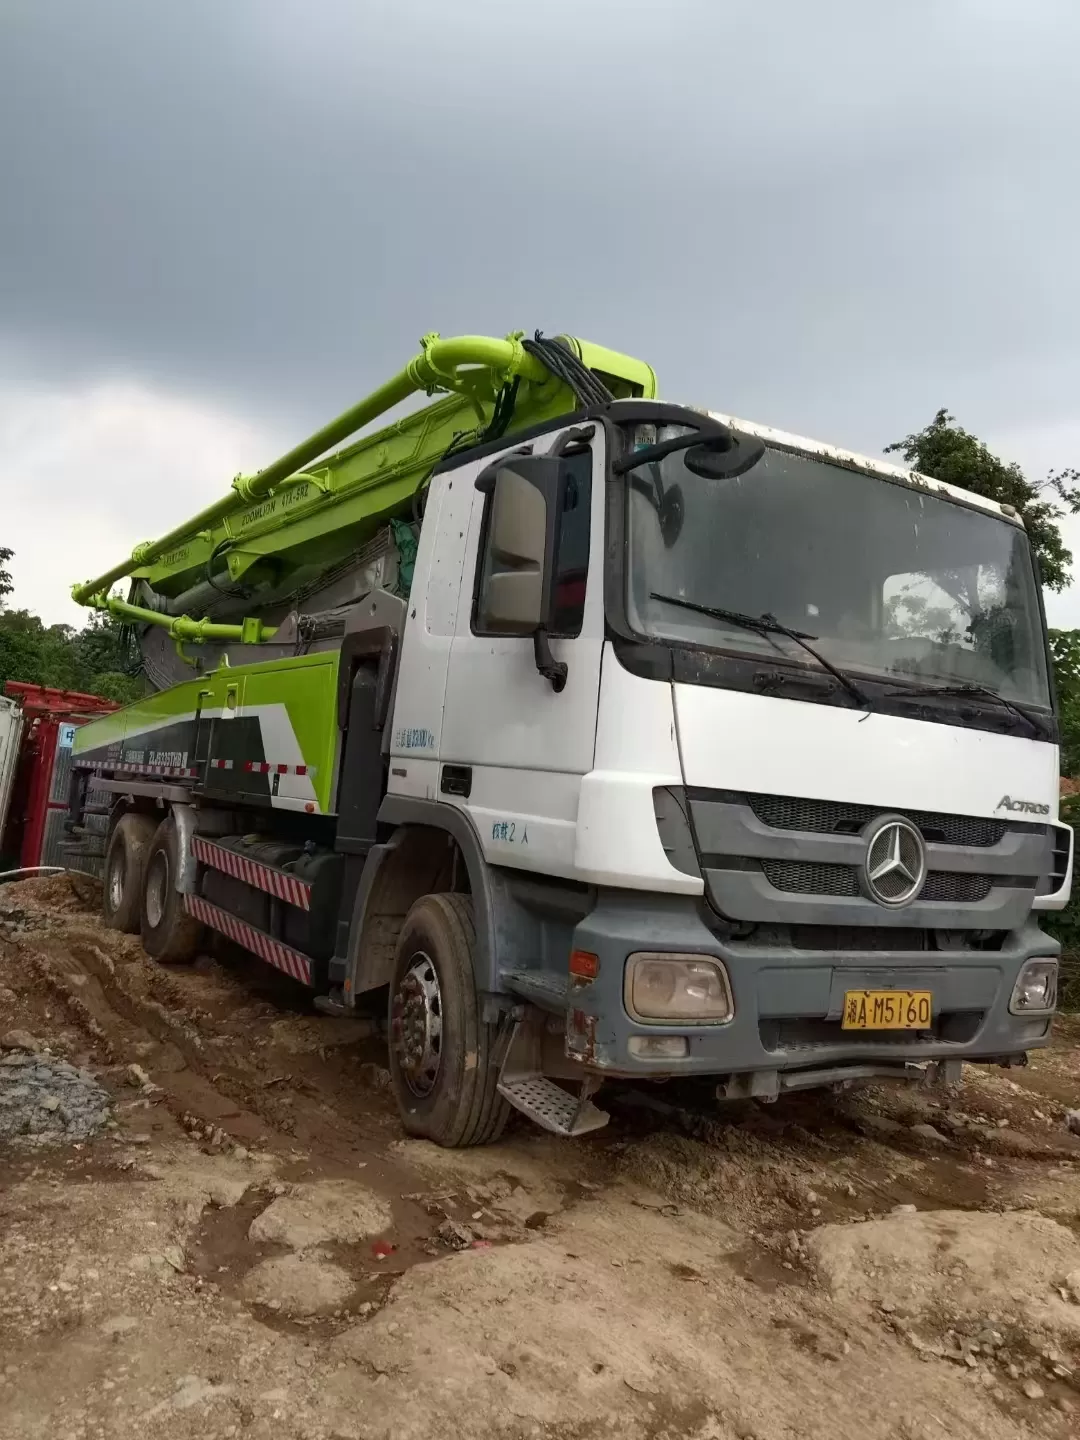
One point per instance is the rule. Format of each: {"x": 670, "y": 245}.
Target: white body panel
{"x": 11, "y": 725}
{"x": 528, "y": 748}
{"x": 618, "y": 842}
{"x": 735, "y": 741}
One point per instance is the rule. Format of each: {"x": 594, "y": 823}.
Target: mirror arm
{"x": 550, "y": 668}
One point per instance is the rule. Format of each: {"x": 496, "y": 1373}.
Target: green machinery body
{"x": 253, "y": 722}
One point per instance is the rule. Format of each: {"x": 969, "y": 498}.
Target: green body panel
{"x": 293, "y": 706}
{"x": 138, "y": 718}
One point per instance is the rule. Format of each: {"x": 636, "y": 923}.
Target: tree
{"x": 945, "y": 451}
{"x": 1065, "y": 653}
{"x": 96, "y": 660}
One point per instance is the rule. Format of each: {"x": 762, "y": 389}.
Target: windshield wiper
{"x": 769, "y": 625}
{"x": 968, "y": 687}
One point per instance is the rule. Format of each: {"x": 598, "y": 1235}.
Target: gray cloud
{"x": 832, "y": 217}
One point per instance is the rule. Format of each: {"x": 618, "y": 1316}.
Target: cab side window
{"x": 573, "y": 571}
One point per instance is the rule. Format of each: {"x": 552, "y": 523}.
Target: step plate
{"x": 552, "y": 1107}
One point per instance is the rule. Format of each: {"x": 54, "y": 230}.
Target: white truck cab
{"x": 749, "y": 744}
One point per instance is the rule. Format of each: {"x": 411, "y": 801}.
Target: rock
{"x": 904, "y": 1210}
{"x": 173, "y": 1256}
{"x": 927, "y": 1132}
{"x": 50, "y": 1103}
{"x": 138, "y": 1076}
{"x": 192, "y": 1391}
{"x": 223, "y": 1194}
{"x": 307, "y": 1215}
{"x": 301, "y": 1284}
{"x": 883, "y": 1124}
{"x": 19, "y": 1040}
{"x": 1072, "y": 1121}
{"x": 982, "y": 1266}
{"x": 118, "y": 1325}
{"x": 1071, "y": 1286}
{"x": 376, "y": 1076}
{"x": 1033, "y": 1390}
{"x": 460, "y": 1237}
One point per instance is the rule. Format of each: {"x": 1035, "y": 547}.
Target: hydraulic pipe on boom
{"x": 441, "y": 365}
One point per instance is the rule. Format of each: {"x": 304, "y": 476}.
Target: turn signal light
{"x": 584, "y": 964}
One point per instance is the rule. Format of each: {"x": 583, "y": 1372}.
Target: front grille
{"x": 811, "y": 877}
{"x": 946, "y": 887}
{"x": 829, "y": 817}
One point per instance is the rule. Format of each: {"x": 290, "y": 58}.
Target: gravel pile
{"x": 46, "y": 1101}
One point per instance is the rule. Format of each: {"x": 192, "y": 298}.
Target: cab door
{"x": 513, "y": 750}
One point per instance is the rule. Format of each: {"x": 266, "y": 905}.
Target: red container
{"x": 39, "y": 799}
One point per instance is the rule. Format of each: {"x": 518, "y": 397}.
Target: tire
{"x": 168, "y": 933}
{"x": 444, "y": 1083}
{"x": 125, "y": 868}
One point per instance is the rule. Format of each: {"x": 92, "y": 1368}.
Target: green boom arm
{"x": 470, "y": 368}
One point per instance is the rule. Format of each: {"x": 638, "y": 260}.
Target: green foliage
{"x": 1065, "y": 652}
{"x": 947, "y": 452}
{"x": 6, "y": 583}
{"x": 95, "y": 660}
{"x": 1064, "y": 925}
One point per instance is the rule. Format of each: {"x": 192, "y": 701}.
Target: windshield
{"x": 886, "y": 579}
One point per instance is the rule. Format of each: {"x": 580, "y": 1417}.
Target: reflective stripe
{"x": 283, "y": 957}
{"x": 253, "y": 872}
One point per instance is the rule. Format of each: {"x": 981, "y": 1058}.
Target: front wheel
{"x": 443, "y": 1059}
{"x": 168, "y": 932}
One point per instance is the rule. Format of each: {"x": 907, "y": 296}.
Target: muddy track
{"x": 699, "y": 1257}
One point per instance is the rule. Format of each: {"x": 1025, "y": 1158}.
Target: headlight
{"x": 690, "y": 988}
{"x": 1036, "y": 987}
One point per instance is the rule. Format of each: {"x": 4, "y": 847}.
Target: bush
{"x": 1064, "y": 925}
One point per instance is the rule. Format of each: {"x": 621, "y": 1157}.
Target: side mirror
{"x": 517, "y": 593}
{"x": 525, "y": 495}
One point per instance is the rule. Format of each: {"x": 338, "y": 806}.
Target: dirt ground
{"x": 250, "y": 1248}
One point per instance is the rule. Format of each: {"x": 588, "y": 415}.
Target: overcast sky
{"x": 224, "y": 220}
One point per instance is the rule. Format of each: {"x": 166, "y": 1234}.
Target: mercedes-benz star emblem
{"x": 895, "y": 866}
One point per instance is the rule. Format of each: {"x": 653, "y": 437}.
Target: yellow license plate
{"x": 887, "y": 1010}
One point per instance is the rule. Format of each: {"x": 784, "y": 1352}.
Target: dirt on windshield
{"x": 212, "y": 1226}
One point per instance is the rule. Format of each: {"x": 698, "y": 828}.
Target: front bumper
{"x": 789, "y": 1002}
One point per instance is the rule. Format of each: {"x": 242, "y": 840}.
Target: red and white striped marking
{"x": 271, "y": 767}
{"x": 253, "y": 872}
{"x": 283, "y": 957}
{"x": 220, "y": 764}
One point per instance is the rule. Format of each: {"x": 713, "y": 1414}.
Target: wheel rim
{"x": 416, "y": 1025}
{"x": 116, "y": 880}
{"x": 157, "y": 889}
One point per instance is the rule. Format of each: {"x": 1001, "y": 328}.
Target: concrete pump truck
{"x": 599, "y": 738}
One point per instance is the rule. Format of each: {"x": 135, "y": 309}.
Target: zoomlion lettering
{"x": 1026, "y": 807}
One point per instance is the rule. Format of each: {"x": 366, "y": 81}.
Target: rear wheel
{"x": 443, "y": 1057}
{"x": 125, "y": 869}
{"x": 168, "y": 932}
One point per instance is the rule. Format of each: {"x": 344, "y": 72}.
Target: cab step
{"x": 551, "y": 1107}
